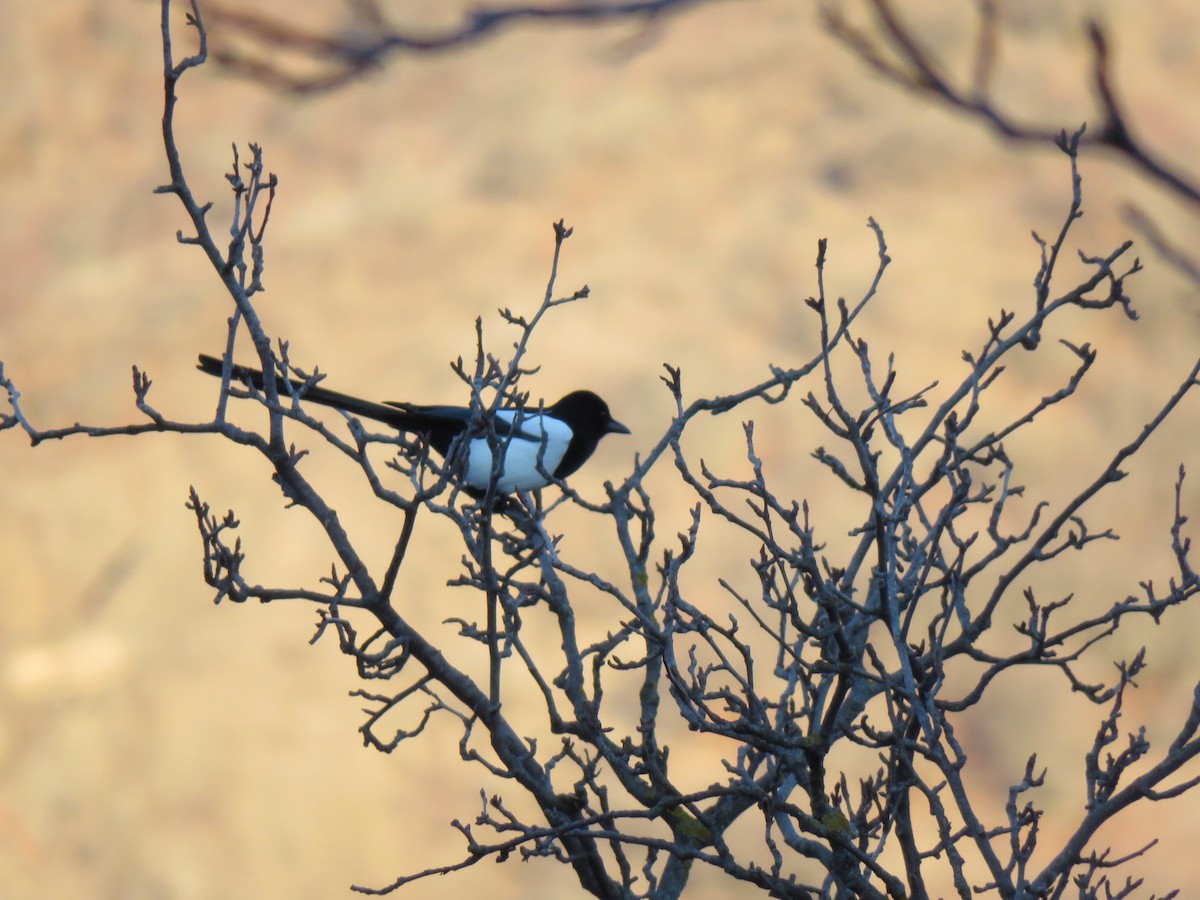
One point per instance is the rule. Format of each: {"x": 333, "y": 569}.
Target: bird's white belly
{"x": 525, "y": 458}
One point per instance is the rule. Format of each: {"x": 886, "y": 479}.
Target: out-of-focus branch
{"x": 276, "y": 52}
{"x": 895, "y": 50}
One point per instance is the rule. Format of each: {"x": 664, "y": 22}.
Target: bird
{"x": 539, "y": 444}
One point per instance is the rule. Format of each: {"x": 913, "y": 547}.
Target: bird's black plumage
{"x": 557, "y": 439}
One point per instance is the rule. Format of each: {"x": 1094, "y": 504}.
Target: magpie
{"x": 557, "y": 439}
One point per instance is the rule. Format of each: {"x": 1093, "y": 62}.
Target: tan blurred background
{"x": 155, "y": 746}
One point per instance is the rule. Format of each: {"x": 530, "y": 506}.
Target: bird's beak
{"x": 615, "y": 427}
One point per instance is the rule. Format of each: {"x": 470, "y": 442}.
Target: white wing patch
{"x": 525, "y": 457}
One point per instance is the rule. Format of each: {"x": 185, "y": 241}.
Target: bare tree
{"x": 825, "y": 652}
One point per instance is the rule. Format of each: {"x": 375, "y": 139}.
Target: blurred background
{"x": 155, "y": 746}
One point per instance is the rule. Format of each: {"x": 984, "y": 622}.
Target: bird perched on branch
{"x": 536, "y": 443}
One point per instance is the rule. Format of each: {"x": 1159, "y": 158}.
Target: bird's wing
{"x": 461, "y": 416}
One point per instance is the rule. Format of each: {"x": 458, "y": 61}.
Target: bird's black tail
{"x": 390, "y": 415}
